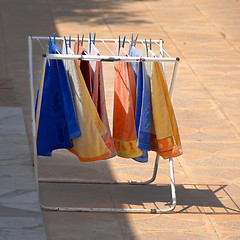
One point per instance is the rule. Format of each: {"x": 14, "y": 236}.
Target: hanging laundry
{"x": 56, "y": 118}
{"x": 165, "y": 137}
{"x": 124, "y": 129}
{"x": 98, "y": 96}
{"x": 101, "y": 128}
{"x": 84, "y": 66}
{"x": 143, "y": 106}
{"x": 90, "y": 145}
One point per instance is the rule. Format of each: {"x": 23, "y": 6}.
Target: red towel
{"x": 98, "y": 96}
{"x": 84, "y": 67}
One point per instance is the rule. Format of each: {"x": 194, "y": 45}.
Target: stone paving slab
{"x": 20, "y": 215}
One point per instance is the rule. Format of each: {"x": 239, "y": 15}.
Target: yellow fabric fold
{"x": 90, "y": 145}
{"x": 165, "y": 137}
{"x": 96, "y": 118}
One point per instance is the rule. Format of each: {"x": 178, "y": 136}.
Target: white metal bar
{"x": 162, "y": 52}
{"x": 41, "y": 44}
{"x": 87, "y": 39}
{"x": 107, "y": 47}
{"x": 30, "y": 56}
{"x": 84, "y": 181}
{"x": 107, "y": 210}
{"x": 174, "y": 199}
{"x": 159, "y": 45}
{"x": 173, "y": 77}
{"x": 118, "y": 182}
{"x": 108, "y": 58}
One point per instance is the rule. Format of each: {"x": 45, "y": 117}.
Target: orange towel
{"x": 124, "y": 129}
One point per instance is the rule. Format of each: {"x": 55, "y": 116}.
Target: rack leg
{"x": 30, "y": 57}
{"x": 122, "y": 210}
{"x": 82, "y": 181}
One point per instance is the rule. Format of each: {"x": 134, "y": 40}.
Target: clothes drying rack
{"x": 164, "y": 58}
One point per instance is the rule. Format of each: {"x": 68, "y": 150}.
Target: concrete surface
{"x": 20, "y": 215}
{"x": 205, "y": 35}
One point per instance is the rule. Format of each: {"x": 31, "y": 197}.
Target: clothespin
{"x": 146, "y": 46}
{"x": 70, "y": 41}
{"x": 54, "y": 38}
{"x": 90, "y": 40}
{"x": 78, "y": 43}
{"x": 132, "y": 40}
{"x": 65, "y": 40}
{"x": 94, "y": 38}
{"x": 131, "y": 43}
{"x": 123, "y": 41}
{"x": 135, "y": 42}
{"x": 119, "y": 44}
{"x": 82, "y": 40}
{"x": 50, "y": 40}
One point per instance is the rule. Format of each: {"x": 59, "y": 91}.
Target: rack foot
{"x": 122, "y": 210}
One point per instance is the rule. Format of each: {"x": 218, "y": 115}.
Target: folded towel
{"x": 98, "y": 96}
{"x": 165, "y": 137}
{"x": 143, "y": 105}
{"x": 100, "y": 126}
{"x": 56, "y": 118}
{"x": 90, "y": 145}
{"x": 124, "y": 129}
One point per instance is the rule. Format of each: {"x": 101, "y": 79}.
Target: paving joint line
{"x": 216, "y": 28}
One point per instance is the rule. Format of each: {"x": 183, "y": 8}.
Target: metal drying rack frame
{"x": 111, "y": 58}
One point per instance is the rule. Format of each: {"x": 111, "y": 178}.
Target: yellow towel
{"x": 90, "y": 145}
{"x": 100, "y": 126}
{"x": 165, "y": 136}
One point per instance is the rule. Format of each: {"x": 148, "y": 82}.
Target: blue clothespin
{"x": 50, "y": 40}
{"x": 94, "y": 38}
{"x": 54, "y": 38}
{"x": 70, "y": 41}
{"x": 90, "y": 40}
{"x": 65, "y": 40}
{"x": 119, "y": 44}
{"x": 124, "y": 41}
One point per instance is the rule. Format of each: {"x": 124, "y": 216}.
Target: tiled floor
{"x": 205, "y": 35}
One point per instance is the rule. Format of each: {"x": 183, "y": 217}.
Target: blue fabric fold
{"x": 143, "y": 106}
{"x": 57, "y": 121}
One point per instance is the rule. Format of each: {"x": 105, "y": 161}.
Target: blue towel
{"x": 57, "y": 122}
{"x": 143, "y": 106}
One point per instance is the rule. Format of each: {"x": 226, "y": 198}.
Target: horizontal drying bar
{"x": 109, "y": 58}
{"x": 96, "y": 40}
